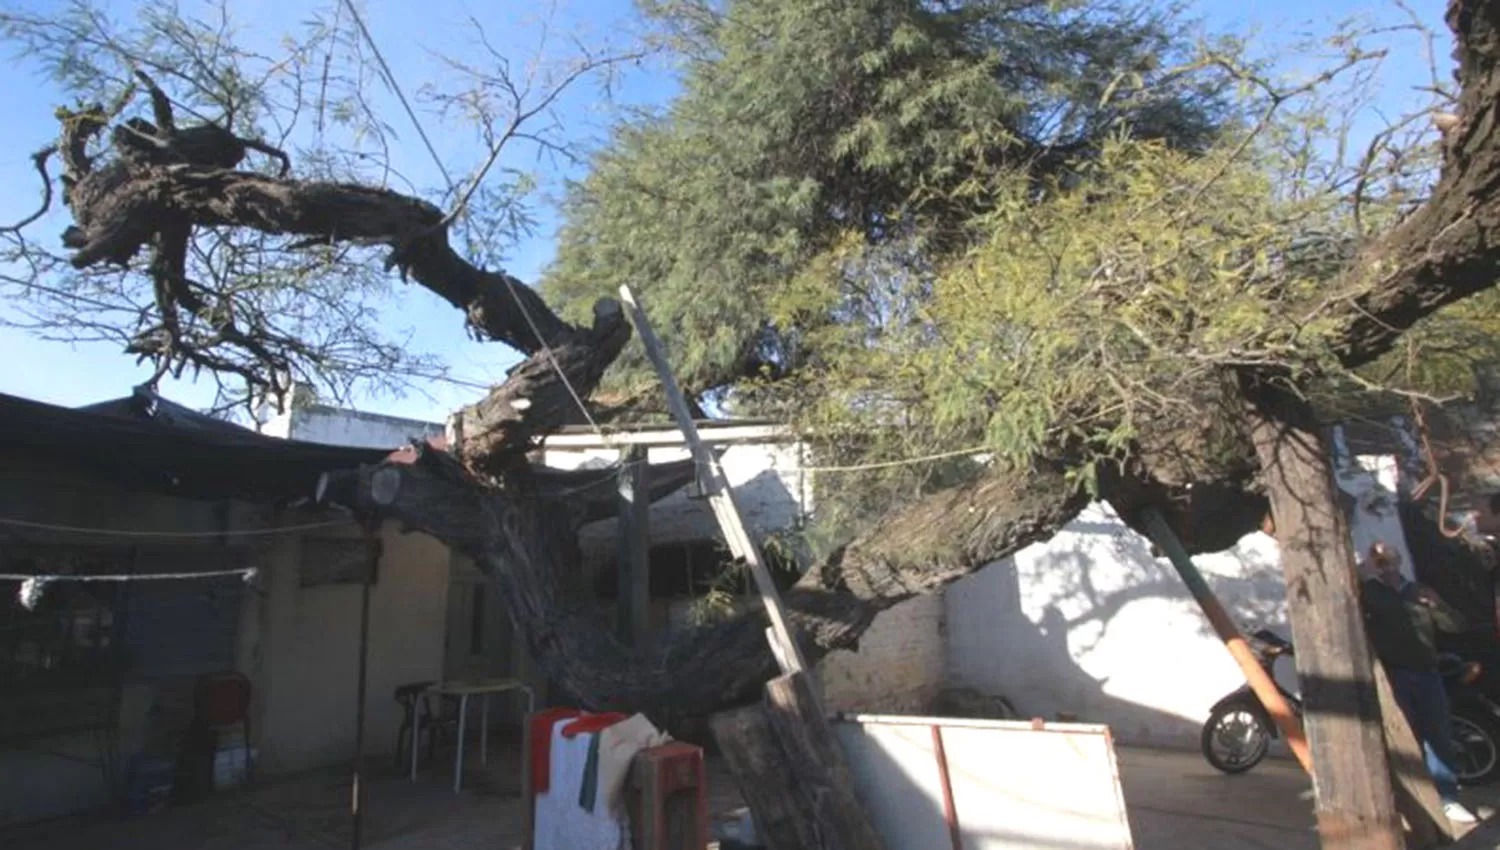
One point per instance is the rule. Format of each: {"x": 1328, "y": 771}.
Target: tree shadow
{"x": 1090, "y": 625}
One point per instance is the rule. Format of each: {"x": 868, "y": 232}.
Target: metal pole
{"x": 1260, "y": 681}
{"x": 357, "y": 791}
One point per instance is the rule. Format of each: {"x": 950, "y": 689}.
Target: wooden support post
{"x": 817, "y": 761}
{"x": 720, "y": 496}
{"x": 783, "y": 817}
{"x": 792, "y": 771}
{"x": 633, "y": 599}
{"x": 1341, "y": 705}
{"x": 1260, "y": 681}
{"x": 811, "y": 754}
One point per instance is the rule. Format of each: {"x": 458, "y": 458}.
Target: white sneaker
{"x": 1457, "y": 813}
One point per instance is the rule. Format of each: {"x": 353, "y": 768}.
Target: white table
{"x": 483, "y": 688}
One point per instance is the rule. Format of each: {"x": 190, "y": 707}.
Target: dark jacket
{"x": 1404, "y": 630}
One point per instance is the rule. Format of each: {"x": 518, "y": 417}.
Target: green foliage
{"x": 1442, "y": 355}
{"x": 1021, "y": 229}
{"x": 872, "y": 125}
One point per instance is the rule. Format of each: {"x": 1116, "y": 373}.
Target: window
{"x": 337, "y": 560}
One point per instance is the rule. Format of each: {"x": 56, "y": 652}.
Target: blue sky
{"x": 410, "y": 34}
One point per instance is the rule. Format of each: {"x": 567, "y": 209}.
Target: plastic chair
{"x": 413, "y": 698}
{"x": 223, "y": 700}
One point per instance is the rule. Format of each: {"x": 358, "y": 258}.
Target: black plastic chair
{"x": 437, "y": 720}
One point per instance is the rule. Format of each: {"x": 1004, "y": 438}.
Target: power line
{"x": 885, "y": 464}
{"x": 123, "y": 532}
{"x": 547, "y": 350}
{"x": 390, "y": 79}
{"x": 509, "y": 282}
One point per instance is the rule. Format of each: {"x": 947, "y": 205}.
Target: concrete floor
{"x": 1175, "y": 802}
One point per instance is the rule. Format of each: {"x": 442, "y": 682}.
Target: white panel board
{"x": 1014, "y": 785}
{"x": 896, "y": 777}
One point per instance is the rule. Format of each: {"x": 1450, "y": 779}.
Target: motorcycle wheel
{"x": 1476, "y": 744}
{"x": 1235, "y": 738}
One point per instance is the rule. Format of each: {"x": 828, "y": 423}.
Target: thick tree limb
{"x": 523, "y": 540}
{"x": 1448, "y": 249}
{"x": 120, "y": 210}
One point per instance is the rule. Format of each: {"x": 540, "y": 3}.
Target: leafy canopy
{"x": 918, "y": 228}
{"x": 804, "y": 125}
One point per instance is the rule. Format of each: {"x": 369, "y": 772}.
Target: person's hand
{"x": 1426, "y": 596}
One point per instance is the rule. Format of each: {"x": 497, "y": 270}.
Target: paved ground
{"x": 1175, "y": 801}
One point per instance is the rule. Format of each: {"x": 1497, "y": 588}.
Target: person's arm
{"x": 1444, "y": 616}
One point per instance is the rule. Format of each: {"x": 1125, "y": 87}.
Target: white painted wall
{"x": 1373, "y": 482}
{"x": 302, "y": 651}
{"x": 1088, "y": 623}
{"x": 337, "y": 427}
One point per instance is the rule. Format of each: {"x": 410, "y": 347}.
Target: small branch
{"x": 39, "y": 159}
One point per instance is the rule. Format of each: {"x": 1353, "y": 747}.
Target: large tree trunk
{"x": 526, "y": 543}
{"x": 1355, "y": 804}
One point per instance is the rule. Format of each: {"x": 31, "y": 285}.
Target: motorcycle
{"x": 1239, "y": 730}
{"x": 1476, "y": 720}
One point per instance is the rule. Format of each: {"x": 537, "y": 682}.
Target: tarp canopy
{"x": 147, "y": 443}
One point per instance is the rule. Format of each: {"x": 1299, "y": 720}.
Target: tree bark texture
{"x": 1449, "y": 248}
{"x": 1352, "y": 781}
{"x": 526, "y": 542}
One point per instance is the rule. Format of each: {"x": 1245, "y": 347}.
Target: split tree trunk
{"x": 527, "y": 543}
{"x": 1352, "y": 779}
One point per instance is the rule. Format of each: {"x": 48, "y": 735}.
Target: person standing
{"x": 1403, "y": 619}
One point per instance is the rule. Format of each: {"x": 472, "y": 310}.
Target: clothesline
{"x": 127, "y": 532}
{"x": 247, "y": 572}
{"x": 33, "y": 586}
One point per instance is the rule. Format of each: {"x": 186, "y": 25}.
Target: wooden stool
{"x": 668, "y": 798}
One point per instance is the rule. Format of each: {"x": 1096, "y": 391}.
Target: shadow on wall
{"x": 1090, "y": 626}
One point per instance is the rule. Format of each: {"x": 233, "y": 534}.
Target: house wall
{"x": 337, "y": 427}
{"x": 302, "y": 647}
{"x": 898, "y": 667}
{"x": 298, "y": 646}
{"x": 1090, "y": 624}
{"x": 60, "y": 774}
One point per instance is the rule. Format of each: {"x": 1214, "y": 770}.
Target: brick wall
{"x": 898, "y": 668}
